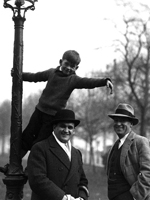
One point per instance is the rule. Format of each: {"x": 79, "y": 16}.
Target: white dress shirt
{"x": 65, "y": 146}
{"x": 122, "y": 140}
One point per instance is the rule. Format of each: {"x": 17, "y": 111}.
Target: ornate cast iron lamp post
{"x": 15, "y": 178}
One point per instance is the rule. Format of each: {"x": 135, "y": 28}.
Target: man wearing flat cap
{"x": 55, "y": 169}
{"x": 128, "y": 165}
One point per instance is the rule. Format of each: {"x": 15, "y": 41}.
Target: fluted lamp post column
{"x": 14, "y": 175}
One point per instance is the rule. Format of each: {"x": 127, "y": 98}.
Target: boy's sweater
{"x": 59, "y": 88}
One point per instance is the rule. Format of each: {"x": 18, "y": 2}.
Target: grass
{"x": 97, "y": 182}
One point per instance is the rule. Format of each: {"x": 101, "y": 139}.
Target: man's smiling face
{"x": 122, "y": 126}
{"x": 64, "y": 131}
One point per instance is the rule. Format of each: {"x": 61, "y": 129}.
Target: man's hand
{"x": 110, "y": 85}
{"x": 71, "y": 198}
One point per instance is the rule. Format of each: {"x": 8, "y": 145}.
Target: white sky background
{"x": 54, "y": 27}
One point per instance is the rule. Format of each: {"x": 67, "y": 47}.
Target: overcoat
{"x": 51, "y": 175}
{"x": 135, "y": 165}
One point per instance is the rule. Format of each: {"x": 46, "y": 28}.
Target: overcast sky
{"x": 54, "y": 27}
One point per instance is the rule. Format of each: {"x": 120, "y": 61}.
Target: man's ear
{"x": 60, "y": 61}
{"x": 73, "y": 133}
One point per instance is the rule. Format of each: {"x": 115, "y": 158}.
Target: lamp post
{"x": 15, "y": 178}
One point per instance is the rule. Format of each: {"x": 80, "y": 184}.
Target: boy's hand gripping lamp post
{"x": 15, "y": 178}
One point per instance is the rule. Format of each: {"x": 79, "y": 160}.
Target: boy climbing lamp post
{"x": 15, "y": 178}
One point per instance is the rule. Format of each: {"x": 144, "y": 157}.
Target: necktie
{"x": 117, "y": 144}
{"x": 67, "y": 150}
{"x": 66, "y": 144}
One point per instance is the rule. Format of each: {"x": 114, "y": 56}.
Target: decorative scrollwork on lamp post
{"x": 15, "y": 178}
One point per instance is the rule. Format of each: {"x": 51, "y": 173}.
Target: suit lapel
{"x": 62, "y": 156}
{"x": 74, "y": 163}
{"x": 56, "y": 149}
{"x": 126, "y": 147}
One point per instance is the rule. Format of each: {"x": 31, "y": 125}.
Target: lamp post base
{"x": 14, "y": 187}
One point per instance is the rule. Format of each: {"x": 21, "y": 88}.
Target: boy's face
{"x": 67, "y": 67}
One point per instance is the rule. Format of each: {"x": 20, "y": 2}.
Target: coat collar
{"x": 58, "y": 151}
{"x": 55, "y": 148}
{"x": 126, "y": 147}
{"x": 124, "y": 150}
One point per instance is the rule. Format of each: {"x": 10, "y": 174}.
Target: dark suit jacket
{"x": 135, "y": 165}
{"x": 51, "y": 175}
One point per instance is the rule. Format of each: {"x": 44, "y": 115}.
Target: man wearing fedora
{"x": 55, "y": 170}
{"x": 128, "y": 165}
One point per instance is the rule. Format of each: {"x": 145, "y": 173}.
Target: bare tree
{"x": 135, "y": 49}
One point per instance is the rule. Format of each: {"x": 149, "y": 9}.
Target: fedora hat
{"x": 125, "y": 111}
{"x": 65, "y": 115}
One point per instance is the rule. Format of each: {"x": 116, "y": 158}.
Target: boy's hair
{"x": 72, "y": 56}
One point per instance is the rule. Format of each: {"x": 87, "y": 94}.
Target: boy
{"x": 61, "y": 81}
